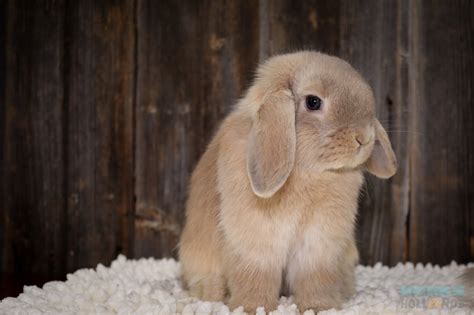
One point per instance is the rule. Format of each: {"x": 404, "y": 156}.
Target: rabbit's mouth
{"x": 364, "y": 150}
{"x": 364, "y": 143}
{"x": 359, "y": 155}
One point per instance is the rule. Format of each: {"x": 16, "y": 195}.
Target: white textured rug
{"x": 150, "y": 286}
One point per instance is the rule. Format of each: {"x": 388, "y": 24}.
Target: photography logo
{"x": 439, "y": 297}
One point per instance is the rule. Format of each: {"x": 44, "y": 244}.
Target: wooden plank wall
{"x": 98, "y": 112}
{"x": 33, "y": 198}
{"x": 105, "y": 108}
{"x": 441, "y": 155}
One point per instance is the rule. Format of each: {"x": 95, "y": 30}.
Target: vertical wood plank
{"x": 288, "y": 26}
{"x": 32, "y": 202}
{"x": 3, "y": 212}
{"x": 194, "y": 59}
{"x": 99, "y": 120}
{"x": 441, "y": 159}
{"x": 374, "y": 41}
{"x": 8, "y": 286}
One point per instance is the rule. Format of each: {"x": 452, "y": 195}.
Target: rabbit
{"x": 273, "y": 200}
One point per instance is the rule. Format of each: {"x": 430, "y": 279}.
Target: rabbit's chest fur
{"x": 316, "y": 218}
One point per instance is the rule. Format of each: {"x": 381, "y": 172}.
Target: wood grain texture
{"x": 3, "y": 212}
{"x": 374, "y": 41}
{"x": 99, "y": 80}
{"x": 194, "y": 59}
{"x": 32, "y": 203}
{"x": 441, "y": 152}
{"x": 288, "y": 26}
{"x": 9, "y": 284}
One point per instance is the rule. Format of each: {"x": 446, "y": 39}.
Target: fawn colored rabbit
{"x": 273, "y": 200}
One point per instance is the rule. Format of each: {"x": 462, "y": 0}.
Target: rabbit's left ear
{"x": 382, "y": 162}
{"x": 272, "y": 145}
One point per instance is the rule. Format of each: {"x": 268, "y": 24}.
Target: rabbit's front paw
{"x": 316, "y": 306}
{"x": 251, "y": 305}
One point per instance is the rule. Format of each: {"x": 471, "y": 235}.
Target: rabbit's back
{"x": 200, "y": 244}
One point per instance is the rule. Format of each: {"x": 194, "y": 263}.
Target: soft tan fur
{"x": 273, "y": 200}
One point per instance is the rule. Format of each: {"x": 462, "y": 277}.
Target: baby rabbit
{"x": 273, "y": 200}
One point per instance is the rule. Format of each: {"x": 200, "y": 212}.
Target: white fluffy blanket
{"x": 150, "y": 286}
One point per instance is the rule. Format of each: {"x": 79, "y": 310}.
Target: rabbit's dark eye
{"x": 313, "y": 102}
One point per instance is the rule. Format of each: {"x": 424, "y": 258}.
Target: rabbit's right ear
{"x": 272, "y": 145}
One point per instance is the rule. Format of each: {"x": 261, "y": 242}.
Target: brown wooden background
{"x": 107, "y": 105}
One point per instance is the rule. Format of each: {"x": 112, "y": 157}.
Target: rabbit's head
{"x": 312, "y": 112}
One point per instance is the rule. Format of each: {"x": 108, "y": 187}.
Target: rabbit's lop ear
{"x": 382, "y": 163}
{"x": 272, "y": 145}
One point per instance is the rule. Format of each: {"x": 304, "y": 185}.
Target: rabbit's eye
{"x": 313, "y": 102}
